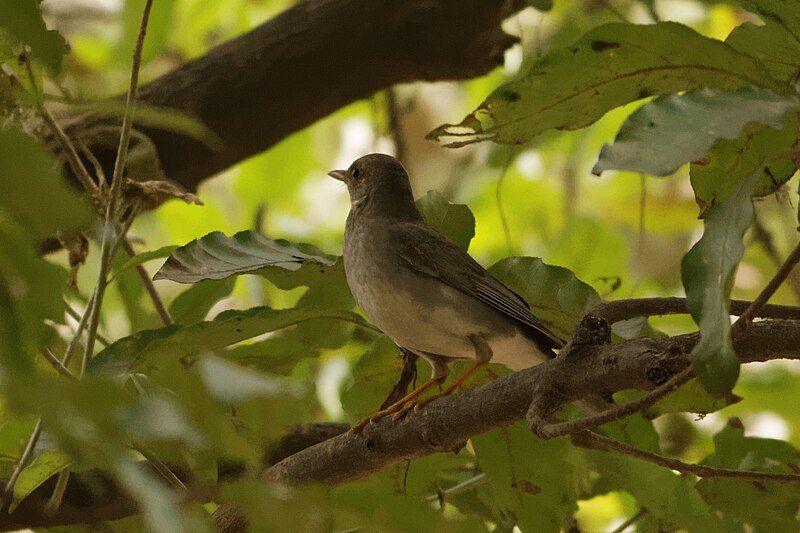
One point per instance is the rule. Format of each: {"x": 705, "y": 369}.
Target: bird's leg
{"x": 483, "y": 354}
{"x": 439, "y": 375}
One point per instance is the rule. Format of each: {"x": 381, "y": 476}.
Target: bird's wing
{"x": 430, "y": 253}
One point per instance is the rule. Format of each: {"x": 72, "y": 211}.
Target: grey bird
{"x": 424, "y": 292}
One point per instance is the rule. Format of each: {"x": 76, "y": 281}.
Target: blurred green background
{"x": 623, "y": 233}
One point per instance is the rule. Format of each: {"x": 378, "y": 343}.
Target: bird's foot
{"x": 398, "y": 406}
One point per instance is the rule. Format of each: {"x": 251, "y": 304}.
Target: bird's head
{"x": 378, "y": 183}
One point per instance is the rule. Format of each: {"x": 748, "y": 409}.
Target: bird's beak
{"x": 340, "y": 175}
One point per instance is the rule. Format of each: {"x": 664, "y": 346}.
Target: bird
{"x": 424, "y": 292}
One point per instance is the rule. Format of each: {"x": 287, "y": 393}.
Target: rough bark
{"x": 588, "y": 369}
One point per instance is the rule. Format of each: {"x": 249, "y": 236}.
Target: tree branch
{"x": 302, "y": 65}
{"x": 641, "y": 364}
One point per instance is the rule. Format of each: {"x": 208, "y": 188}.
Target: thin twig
{"x": 158, "y": 303}
{"x": 55, "y": 363}
{"x": 82, "y": 323}
{"x": 586, "y": 437}
{"x": 78, "y": 317}
{"x": 8, "y": 491}
{"x": 117, "y": 178}
{"x": 630, "y": 521}
{"x": 780, "y": 276}
{"x": 164, "y": 471}
{"x": 763, "y": 236}
{"x": 395, "y": 124}
{"x": 74, "y": 160}
{"x": 57, "y": 497}
{"x": 464, "y": 486}
{"x": 552, "y": 430}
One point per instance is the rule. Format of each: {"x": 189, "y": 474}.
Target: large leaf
{"x": 21, "y": 21}
{"x": 673, "y": 130}
{"x": 216, "y": 256}
{"x": 554, "y": 293}
{"x": 538, "y": 481}
{"x": 227, "y": 328}
{"x": 32, "y": 190}
{"x": 454, "y": 221}
{"x": 610, "y": 66}
{"x": 783, "y": 12}
{"x": 707, "y": 271}
{"x": 765, "y": 506}
{"x": 772, "y": 44}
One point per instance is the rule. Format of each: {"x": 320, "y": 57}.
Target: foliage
{"x": 265, "y": 333}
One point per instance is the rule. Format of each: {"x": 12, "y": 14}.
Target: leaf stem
{"x": 57, "y": 497}
{"x": 603, "y": 442}
{"x": 158, "y": 303}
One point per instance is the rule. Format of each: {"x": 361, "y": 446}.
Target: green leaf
{"x": 771, "y": 44}
{"x": 671, "y": 498}
{"x": 762, "y": 150}
{"x": 554, "y": 293}
{"x": 21, "y": 20}
{"x": 373, "y": 377}
{"x": 783, "y": 12}
{"x": 707, "y": 271}
{"x": 276, "y": 355}
{"x": 538, "y": 481}
{"x": 691, "y": 397}
{"x": 33, "y": 191}
{"x": 40, "y": 470}
{"x": 217, "y": 256}
{"x": 146, "y": 347}
{"x": 454, "y": 221}
{"x": 610, "y": 66}
{"x": 30, "y": 295}
{"x": 193, "y": 304}
{"x": 763, "y": 505}
{"x": 144, "y": 257}
{"x": 673, "y": 130}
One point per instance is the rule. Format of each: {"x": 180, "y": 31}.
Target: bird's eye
{"x": 356, "y": 173}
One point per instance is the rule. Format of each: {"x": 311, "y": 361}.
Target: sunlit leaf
{"x": 217, "y": 256}
{"x": 610, "y": 66}
{"x": 554, "y": 293}
{"x": 671, "y": 131}
{"x": 454, "y": 221}
{"x": 689, "y": 398}
{"x": 707, "y": 272}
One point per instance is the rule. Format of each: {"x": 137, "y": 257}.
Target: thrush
{"x": 423, "y": 291}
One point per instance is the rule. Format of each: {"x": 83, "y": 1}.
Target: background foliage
{"x": 703, "y": 96}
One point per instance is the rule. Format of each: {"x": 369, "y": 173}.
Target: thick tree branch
{"x": 307, "y": 62}
{"x": 641, "y": 364}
